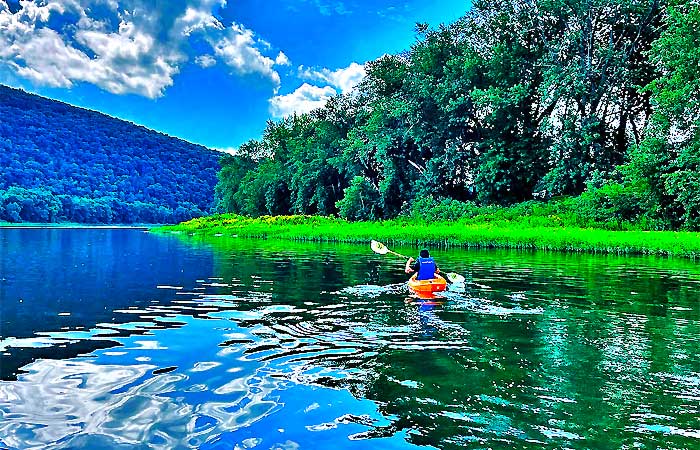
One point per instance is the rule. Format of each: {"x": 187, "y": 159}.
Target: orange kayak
{"x": 437, "y": 284}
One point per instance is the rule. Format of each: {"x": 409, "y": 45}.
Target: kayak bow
{"x": 437, "y": 284}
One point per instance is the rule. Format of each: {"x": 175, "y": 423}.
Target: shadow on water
{"x": 216, "y": 343}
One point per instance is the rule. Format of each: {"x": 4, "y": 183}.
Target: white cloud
{"x": 127, "y": 60}
{"x": 197, "y": 19}
{"x": 40, "y": 13}
{"x": 229, "y": 150}
{"x": 239, "y": 51}
{"x": 141, "y": 56}
{"x": 308, "y": 97}
{"x": 344, "y": 79}
{"x": 128, "y": 44}
{"x": 303, "y": 100}
{"x": 89, "y": 24}
{"x": 48, "y": 60}
{"x": 205, "y": 61}
{"x": 282, "y": 60}
{"x": 26, "y": 19}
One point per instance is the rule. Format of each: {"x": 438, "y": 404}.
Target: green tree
{"x": 594, "y": 64}
{"x": 360, "y": 201}
{"x": 669, "y": 159}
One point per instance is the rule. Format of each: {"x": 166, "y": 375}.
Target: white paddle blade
{"x": 378, "y": 247}
{"x": 455, "y": 278}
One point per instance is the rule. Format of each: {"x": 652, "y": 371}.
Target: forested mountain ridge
{"x": 63, "y": 163}
{"x": 594, "y": 102}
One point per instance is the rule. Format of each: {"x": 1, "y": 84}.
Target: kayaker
{"x": 425, "y": 266}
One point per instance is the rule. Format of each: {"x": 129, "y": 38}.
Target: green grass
{"x": 465, "y": 233}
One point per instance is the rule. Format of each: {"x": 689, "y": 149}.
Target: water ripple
{"x": 307, "y": 351}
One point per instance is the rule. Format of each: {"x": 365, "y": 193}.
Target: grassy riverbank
{"x": 475, "y": 234}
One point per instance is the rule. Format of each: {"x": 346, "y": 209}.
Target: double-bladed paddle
{"x": 378, "y": 247}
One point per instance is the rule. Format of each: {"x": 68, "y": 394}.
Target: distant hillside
{"x": 63, "y": 163}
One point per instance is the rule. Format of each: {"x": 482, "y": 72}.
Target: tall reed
{"x": 475, "y": 234}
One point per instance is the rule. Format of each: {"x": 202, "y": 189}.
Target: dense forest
{"x": 61, "y": 163}
{"x": 590, "y": 104}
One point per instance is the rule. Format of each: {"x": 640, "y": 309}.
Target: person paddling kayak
{"x": 424, "y": 265}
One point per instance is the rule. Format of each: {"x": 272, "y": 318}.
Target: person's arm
{"x": 408, "y": 266}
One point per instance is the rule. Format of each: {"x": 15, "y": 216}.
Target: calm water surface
{"x": 124, "y": 339}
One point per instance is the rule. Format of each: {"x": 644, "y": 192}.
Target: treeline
{"x": 62, "y": 163}
{"x": 595, "y": 100}
{"x": 41, "y": 206}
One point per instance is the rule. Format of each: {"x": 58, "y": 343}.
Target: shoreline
{"x": 464, "y": 234}
{"x": 7, "y": 225}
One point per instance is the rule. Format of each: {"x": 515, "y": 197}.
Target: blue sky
{"x": 208, "y": 71}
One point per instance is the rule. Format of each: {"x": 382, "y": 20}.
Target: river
{"x": 119, "y": 338}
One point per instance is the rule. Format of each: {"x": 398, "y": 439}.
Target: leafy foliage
{"x": 515, "y": 102}
{"x": 360, "y": 201}
{"x": 671, "y": 150}
{"x": 61, "y": 163}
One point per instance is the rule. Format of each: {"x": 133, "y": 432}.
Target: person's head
{"x": 425, "y": 253}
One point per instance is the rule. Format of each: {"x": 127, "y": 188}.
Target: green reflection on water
{"x": 540, "y": 350}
